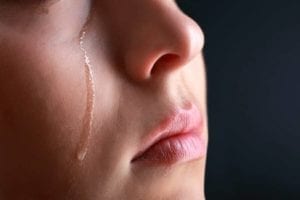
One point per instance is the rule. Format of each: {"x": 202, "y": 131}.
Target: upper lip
{"x": 180, "y": 121}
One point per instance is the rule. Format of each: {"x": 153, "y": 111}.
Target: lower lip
{"x": 176, "y": 149}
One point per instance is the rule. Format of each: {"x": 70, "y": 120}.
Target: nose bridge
{"x": 154, "y": 36}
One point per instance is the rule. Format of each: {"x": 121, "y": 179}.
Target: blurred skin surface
{"x": 146, "y": 59}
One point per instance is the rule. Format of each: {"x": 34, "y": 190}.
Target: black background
{"x": 252, "y": 54}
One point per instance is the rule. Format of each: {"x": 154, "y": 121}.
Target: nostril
{"x": 165, "y": 63}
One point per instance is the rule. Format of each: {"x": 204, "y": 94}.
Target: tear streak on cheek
{"x": 90, "y": 103}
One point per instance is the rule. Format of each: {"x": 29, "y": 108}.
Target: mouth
{"x": 178, "y": 138}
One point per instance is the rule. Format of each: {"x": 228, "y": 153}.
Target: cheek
{"x": 41, "y": 107}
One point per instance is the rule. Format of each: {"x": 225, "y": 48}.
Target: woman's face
{"x": 101, "y": 99}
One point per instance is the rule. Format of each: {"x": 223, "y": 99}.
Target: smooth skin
{"x": 146, "y": 60}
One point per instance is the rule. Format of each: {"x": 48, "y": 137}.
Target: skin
{"x": 146, "y": 60}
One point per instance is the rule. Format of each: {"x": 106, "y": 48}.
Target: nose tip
{"x": 194, "y": 41}
{"x": 184, "y": 46}
{"x": 163, "y": 46}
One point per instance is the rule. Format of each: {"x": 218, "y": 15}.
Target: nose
{"x": 156, "y": 38}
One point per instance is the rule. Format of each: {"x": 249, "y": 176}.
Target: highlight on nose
{"x": 165, "y": 49}
{"x": 186, "y": 47}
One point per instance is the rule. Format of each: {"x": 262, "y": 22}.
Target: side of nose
{"x": 164, "y": 39}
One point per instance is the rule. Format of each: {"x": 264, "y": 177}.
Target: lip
{"x": 177, "y": 138}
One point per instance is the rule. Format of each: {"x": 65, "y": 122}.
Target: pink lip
{"x": 178, "y": 138}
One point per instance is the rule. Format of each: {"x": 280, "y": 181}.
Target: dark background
{"x": 253, "y": 67}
